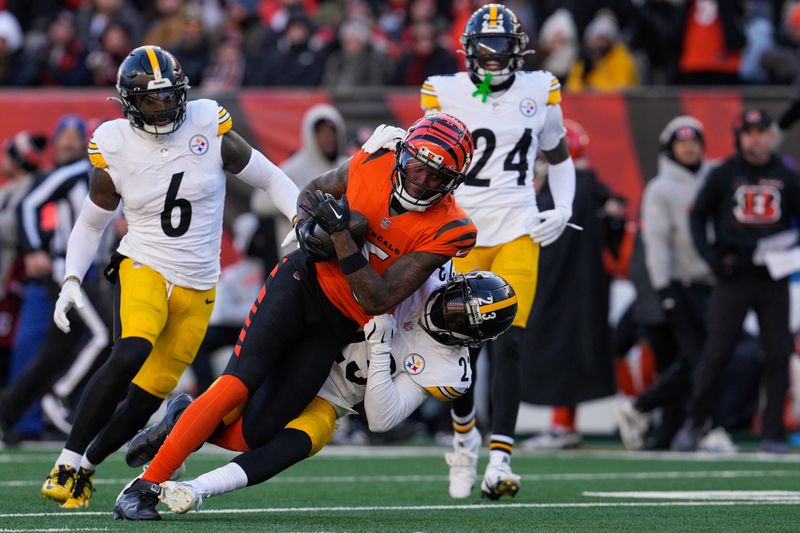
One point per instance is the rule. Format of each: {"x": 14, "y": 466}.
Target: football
{"x": 359, "y": 228}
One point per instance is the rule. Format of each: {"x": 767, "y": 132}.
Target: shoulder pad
{"x": 202, "y": 113}
{"x": 109, "y": 135}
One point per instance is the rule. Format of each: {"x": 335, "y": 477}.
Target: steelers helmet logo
{"x": 198, "y": 144}
{"x": 527, "y": 107}
{"x": 414, "y": 364}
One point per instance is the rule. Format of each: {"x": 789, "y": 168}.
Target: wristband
{"x": 353, "y": 262}
{"x": 76, "y": 278}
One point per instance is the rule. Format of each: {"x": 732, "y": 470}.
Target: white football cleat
{"x": 499, "y": 481}
{"x": 463, "y": 461}
{"x": 555, "y": 439}
{"x": 181, "y": 497}
{"x": 633, "y": 424}
{"x": 717, "y": 441}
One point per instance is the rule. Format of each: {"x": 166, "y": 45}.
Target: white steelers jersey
{"x": 508, "y": 129}
{"x": 443, "y": 371}
{"x": 173, "y": 192}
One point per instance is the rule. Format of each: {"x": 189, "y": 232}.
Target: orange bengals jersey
{"x": 443, "y": 228}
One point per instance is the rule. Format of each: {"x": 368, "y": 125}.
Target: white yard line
{"x": 702, "y": 474}
{"x": 39, "y": 454}
{"x": 722, "y": 495}
{"x": 418, "y": 508}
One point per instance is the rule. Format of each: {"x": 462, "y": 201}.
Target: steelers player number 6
{"x": 172, "y": 201}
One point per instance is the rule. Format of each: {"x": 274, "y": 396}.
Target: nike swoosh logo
{"x": 337, "y": 215}
{"x": 209, "y": 301}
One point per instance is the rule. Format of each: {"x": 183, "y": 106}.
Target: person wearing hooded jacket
{"x": 678, "y": 274}
{"x": 323, "y": 134}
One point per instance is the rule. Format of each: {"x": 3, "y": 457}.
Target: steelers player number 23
{"x": 515, "y": 161}
{"x": 172, "y": 201}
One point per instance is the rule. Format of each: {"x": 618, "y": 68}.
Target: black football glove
{"x": 307, "y": 242}
{"x": 331, "y": 214}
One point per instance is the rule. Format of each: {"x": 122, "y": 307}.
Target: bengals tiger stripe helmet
{"x": 152, "y": 73}
{"x": 471, "y": 309}
{"x": 431, "y": 161}
{"x": 493, "y": 41}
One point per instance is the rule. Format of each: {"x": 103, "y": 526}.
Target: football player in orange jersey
{"x": 312, "y": 306}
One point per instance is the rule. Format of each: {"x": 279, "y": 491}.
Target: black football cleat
{"x": 145, "y": 445}
{"x": 138, "y": 501}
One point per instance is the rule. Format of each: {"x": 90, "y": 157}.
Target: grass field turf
{"x": 405, "y": 489}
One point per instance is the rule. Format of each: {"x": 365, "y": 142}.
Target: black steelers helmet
{"x": 494, "y": 34}
{"x": 153, "y": 74}
{"x": 471, "y": 309}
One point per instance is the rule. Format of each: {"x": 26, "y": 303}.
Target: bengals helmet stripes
{"x": 438, "y": 146}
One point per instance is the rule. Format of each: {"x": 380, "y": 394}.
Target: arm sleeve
{"x": 553, "y": 129}
{"x": 561, "y": 179}
{"x": 698, "y": 219}
{"x": 655, "y": 235}
{"x": 85, "y": 238}
{"x": 388, "y": 401}
{"x": 262, "y": 173}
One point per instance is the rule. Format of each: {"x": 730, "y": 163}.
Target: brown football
{"x": 359, "y": 228}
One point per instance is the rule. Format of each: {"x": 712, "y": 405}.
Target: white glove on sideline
{"x": 379, "y": 333}
{"x": 384, "y": 137}
{"x": 70, "y": 295}
{"x": 551, "y": 226}
{"x": 291, "y": 238}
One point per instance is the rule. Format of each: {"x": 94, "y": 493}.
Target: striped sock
{"x": 500, "y": 447}
{"x": 463, "y": 424}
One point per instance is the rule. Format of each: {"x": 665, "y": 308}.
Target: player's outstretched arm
{"x": 387, "y": 402}
{"x": 252, "y": 167}
{"x": 97, "y": 211}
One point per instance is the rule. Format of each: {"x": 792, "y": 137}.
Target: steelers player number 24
{"x": 515, "y": 161}
{"x": 172, "y": 201}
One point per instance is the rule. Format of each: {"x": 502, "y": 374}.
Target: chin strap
{"x": 484, "y": 88}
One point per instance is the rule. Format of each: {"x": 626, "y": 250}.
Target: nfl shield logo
{"x": 385, "y": 223}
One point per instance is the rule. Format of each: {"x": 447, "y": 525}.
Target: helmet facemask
{"x": 153, "y": 90}
{"x": 494, "y": 45}
{"x": 456, "y": 316}
{"x": 417, "y": 170}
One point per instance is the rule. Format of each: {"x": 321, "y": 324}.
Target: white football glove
{"x": 291, "y": 238}
{"x": 70, "y": 295}
{"x": 551, "y": 225}
{"x": 379, "y": 332}
{"x": 384, "y": 136}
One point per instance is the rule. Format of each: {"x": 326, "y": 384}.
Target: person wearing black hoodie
{"x": 749, "y": 197}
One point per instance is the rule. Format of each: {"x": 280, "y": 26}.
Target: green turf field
{"x": 404, "y": 489}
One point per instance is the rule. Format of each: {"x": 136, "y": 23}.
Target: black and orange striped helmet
{"x": 152, "y": 77}
{"x": 470, "y": 309}
{"x": 494, "y": 41}
{"x": 431, "y": 161}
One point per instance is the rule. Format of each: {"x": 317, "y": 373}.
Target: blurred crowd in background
{"x": 340, "y": 44}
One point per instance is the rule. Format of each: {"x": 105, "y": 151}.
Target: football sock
{"x": 105, "y": 390}
{"x": 563, "y": 418}
{"x": 289, "y": 446}
{"x": 221, "y": 480}
{"x": 69, "y": 458}
{"x": 506, "y": 386}
{"x": 87, "y": 464}
{"x": 624, "y": 378}
{"x": 230, "y": 437}
{"x": 195, "y": 425}
{"x": 463, "y": 424}
{"x": 500, "y": 447}
{"x": 131, "y": 416}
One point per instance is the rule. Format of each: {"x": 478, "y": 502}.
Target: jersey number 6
{"x": 171, "y": 203}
